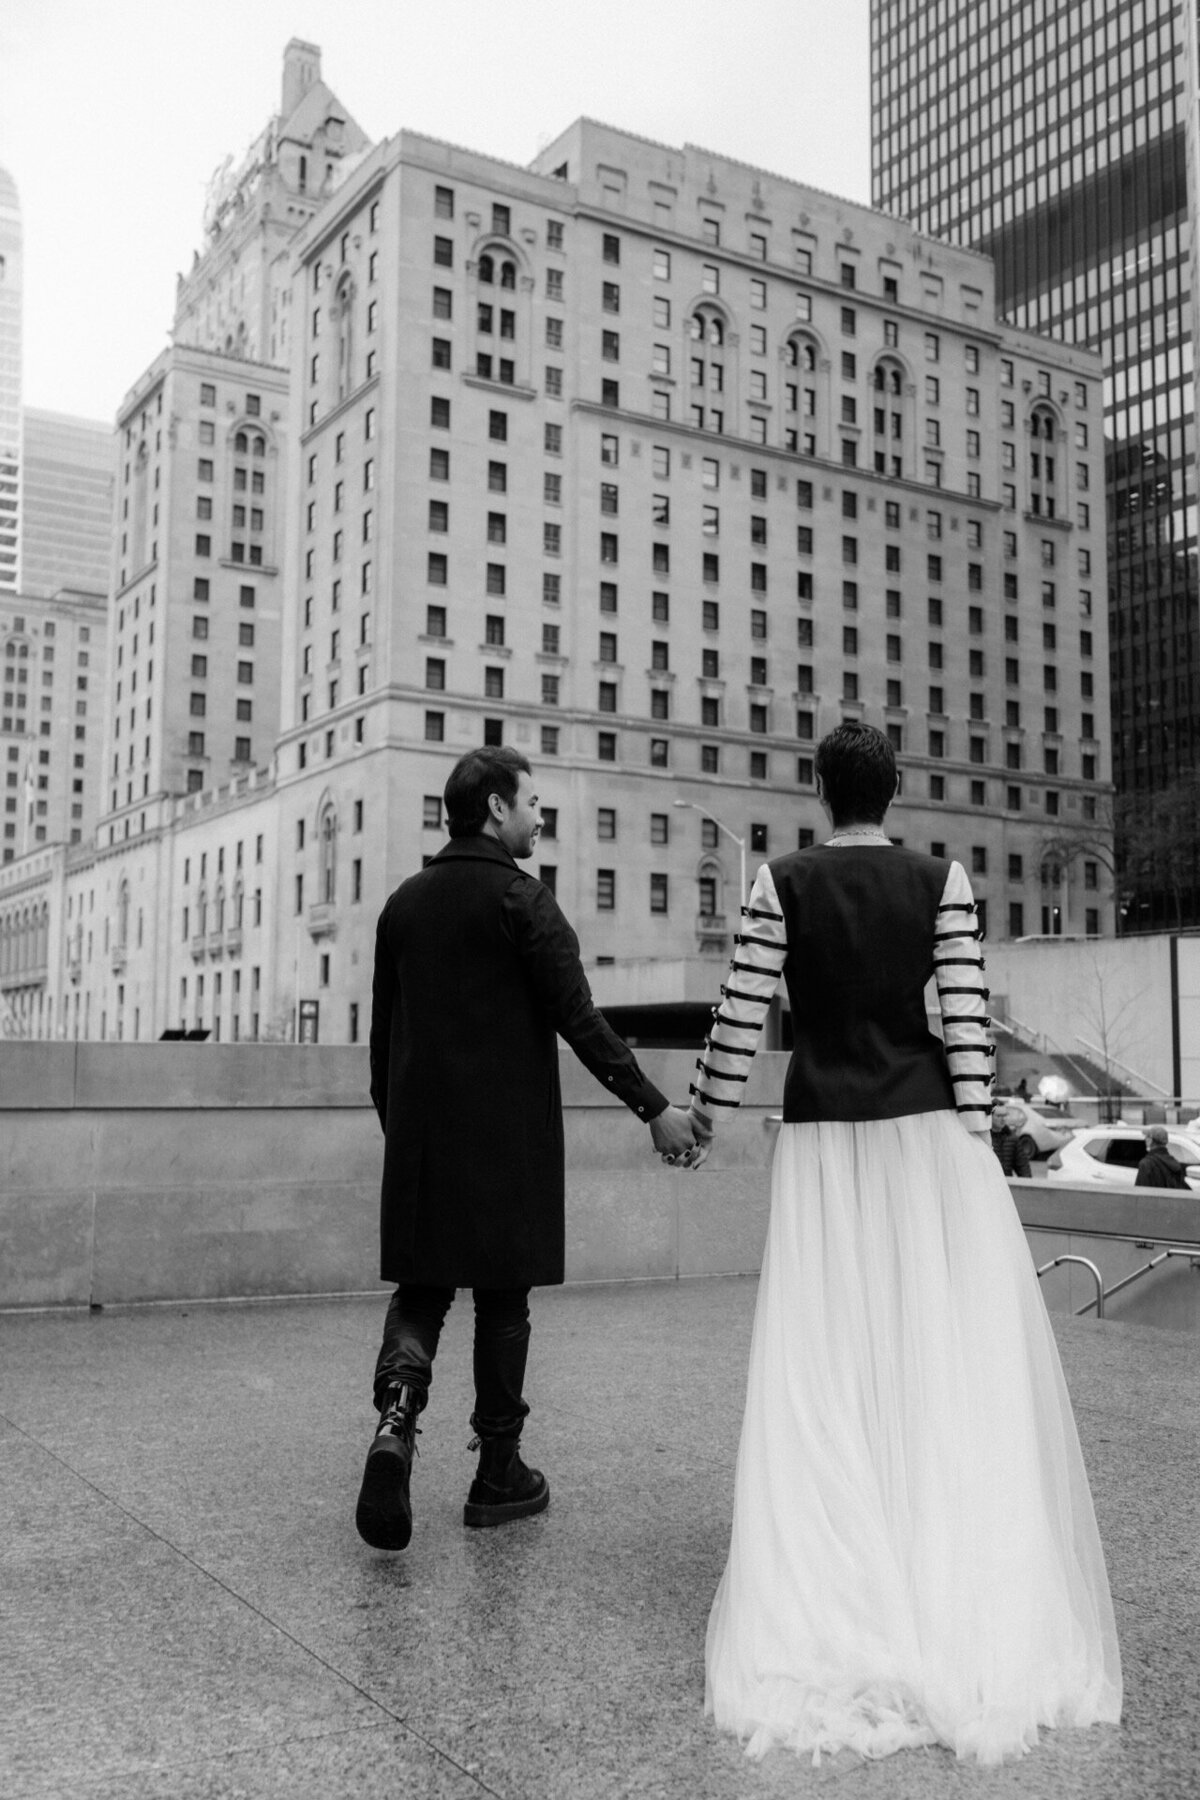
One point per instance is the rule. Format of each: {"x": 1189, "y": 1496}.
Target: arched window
{"x": 710, "y": 877}
{"x": 327, "y": 849}
{"x": 800, "y": 394}
{"x": 219, "y": 909}
{"x": 258, "y": 446}
{"x": 343, "y": 313}
{"x": 201, "y": 911}
{"x": 1043, "y": 471}
{"x": 500, "y": 350}
{"x": 240, "y": 443}
{"x": 888, "y": 380}
{"x": 707, "y": 371}
{"x": 123, "y": 914}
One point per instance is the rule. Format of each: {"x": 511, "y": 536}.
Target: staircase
{"x": 1087, "y": 1077}
{"x": 1021, "y": 1051}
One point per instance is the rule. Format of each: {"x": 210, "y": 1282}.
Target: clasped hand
{"x": 682, "y": 1138}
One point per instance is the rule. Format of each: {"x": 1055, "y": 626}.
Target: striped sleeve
{"x": 963, "y": 998}
{"x": 760, "y": 951}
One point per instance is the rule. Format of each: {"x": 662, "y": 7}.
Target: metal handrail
{"x": 1125, "y": 1069}
{"x": 1106, "y": 1293}
{"x": 1035, "y": 1037}
{"x": 1098, "y": 1302}
{"x": 1103, "y": 1294}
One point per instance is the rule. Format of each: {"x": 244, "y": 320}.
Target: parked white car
{"x": 1040, "y": 1134}
{"x": 1110, "y": 1154}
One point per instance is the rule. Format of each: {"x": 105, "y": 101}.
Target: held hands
{"x": 682, "y": 1139}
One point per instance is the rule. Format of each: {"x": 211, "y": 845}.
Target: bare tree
{"x": 1108, "y": 1010}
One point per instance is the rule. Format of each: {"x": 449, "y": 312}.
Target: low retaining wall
{"x": 133, "y": 1172}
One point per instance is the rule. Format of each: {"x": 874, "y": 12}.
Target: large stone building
{"x": 195, "y": 611}
{"x": 66, "y": 504}
{"x": 655, "y": 466}
{"x": 1060, "y": 139}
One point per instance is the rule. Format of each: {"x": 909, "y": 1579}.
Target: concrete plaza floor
{"x": 185, "y": 1609}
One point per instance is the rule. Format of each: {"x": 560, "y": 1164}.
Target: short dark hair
{"x": 491, "y": 770}
{"x": 857, "y": 768}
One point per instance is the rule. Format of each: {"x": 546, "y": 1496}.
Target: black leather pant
{"x": 411, "y": 1331}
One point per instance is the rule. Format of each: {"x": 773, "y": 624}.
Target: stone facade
{"x": 52, "y": 682}
{"x": 236, "y": 297}
{"x": 196, "y": 607}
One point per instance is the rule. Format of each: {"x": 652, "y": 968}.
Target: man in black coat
{"x": 1158, "y": 1168}
{"x": 477, "y": 974}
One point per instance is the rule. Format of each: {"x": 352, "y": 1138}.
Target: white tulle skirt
{"x": 914, "y": 1557}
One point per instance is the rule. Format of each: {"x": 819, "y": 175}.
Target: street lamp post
{"x": 739, "y": 841}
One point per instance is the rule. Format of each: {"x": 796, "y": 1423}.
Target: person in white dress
{"x": 914, "y": 1555}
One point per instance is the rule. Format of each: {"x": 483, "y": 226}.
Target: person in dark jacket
{"x": 1158, "y": 1168}
{"x": 1006, "y": 1140}
{"x": 477, "y": 974}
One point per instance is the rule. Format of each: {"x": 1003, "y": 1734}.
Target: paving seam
{"x": 306, "y": 1649}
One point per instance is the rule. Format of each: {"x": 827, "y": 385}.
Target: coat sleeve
{"x": 535, "y": 925}
{"x": 384, "y": 997}
{"x": 962, "y": 999}
{"x": 760, "y": 952}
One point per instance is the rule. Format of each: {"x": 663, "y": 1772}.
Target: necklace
{"x": 873, "y": 834}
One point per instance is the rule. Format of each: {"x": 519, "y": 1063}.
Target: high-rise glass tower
{"x": 10, "y": 383}
{"x": 1053, "y": 135}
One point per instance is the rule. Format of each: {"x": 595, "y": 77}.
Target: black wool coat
{"x": 477, "y": 973}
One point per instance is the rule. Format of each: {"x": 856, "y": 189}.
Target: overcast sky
{"x": 114, "y": 113}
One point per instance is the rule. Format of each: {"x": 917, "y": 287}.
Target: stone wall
{"x": 136, "y": 1172}
{"x": 133, "y": 1172}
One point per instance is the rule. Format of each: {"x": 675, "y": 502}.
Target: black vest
{"x": 860, "y": 932}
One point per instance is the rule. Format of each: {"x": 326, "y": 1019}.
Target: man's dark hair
{"x": 857, "y": 767}
{"x": 475, "y": 776}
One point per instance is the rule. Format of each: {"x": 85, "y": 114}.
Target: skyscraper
{"x": 66, "y": 503}
{"x": 10, "y": 384}
{"x": 1053, "y": 135}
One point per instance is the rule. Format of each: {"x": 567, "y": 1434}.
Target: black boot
{"x": 503, "y": 1487}
{"x": 384, "y": 1513}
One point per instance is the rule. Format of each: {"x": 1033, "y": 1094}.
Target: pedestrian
{"x": 914, "y": 1556}
{"x": 1007, "y": 1139}
{"x": 1158, "y": 1168}
{"x": 477, "y": 973}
